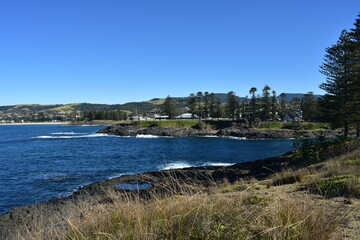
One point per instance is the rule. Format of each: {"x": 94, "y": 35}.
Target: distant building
{"x": 187, "y": 116}
{"x": 140, "y": 118}
{"x": 164, "y": 117}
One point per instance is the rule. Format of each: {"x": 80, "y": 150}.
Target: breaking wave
{"x": 75, "y": 136}
{"x": 64, "y": 133}
{"x": 178, "y": 165}
{"x": 237, "y": 138}
{"x": 146, "y": 136}
{"x": 219, "y": 164}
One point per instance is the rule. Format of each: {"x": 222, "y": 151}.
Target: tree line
{"x": 115, "y": 115}
{"x": 340, "y": 106}
{"x": 250, "y": 110}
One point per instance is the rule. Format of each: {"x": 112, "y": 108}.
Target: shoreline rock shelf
{"x": 23, "y": 216}
{"x": 249, "y": 133}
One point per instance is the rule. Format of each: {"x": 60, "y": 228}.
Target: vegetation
{"x": 167, "y": 124}
{"x": 341, "y": 67}
{"x": 274, "y": 208}
{"x": 116, "y": 115}
{"x": 205, "y": 106}
{"x": 334, "y": 173}
{"x": 169, "y": 108}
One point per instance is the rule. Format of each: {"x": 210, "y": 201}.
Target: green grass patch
{"x": 157, "y": 102}
{"x": 68, "y": 108}
{"x": 174, "y": 124}
{"x": 351, "y": 162}
{"x": 234, "y": 188}
{"x": 293, "y": 125}
{"x": 333, "y": 186}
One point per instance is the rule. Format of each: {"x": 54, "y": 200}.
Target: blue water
{"x": 42, "y": 162}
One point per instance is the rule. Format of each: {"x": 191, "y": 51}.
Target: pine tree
{"x": 232, "y": 105}
{"x": 309, "y": 107}
{"x": 253, "y": 108}
{"x": 295, "y": 108}
{"x": 218, "y": 109}
{"x": 245, "y": 108}
{"x": 274, "y": 106}
{"x": 206, "y": 108}
{"x": 191, "y": 102}
{"x": 169, "y": 107}
{"x": 265, "y": 104}
{"x": 199, "y": 102}
{"x": 337, "y": 102}
{"x": 355, "y": 47}
{"x": 283, "y": 110}
{"x": 213, "y": 105}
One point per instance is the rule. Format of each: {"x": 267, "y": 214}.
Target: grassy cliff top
{"x": 220, "y": 124}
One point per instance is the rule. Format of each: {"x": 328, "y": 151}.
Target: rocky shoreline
{"x": 246, "y": 133}
{"x": 54, "y": 211}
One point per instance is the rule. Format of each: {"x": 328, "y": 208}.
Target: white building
{"x": 187, "y": 116}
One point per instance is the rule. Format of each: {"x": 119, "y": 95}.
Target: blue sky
{"x": 119, "y": 51}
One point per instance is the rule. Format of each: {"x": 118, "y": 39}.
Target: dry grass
{"x": 181, "y": 209}
{"x": 221, "y": 212}
{"x": 338, "y": 176}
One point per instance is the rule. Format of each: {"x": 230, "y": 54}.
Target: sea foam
{"x": 76, "y": 136}
{"x": 237, "y": 138}
{"x": 218, "y": 164}
{"x": 65, "y": 133}
{"x": 146, "y": 136}
{"x": 177, "y": 165}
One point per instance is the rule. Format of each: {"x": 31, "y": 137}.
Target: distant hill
{"x": 144, "y": 106}
{"x": 291, "y": 96}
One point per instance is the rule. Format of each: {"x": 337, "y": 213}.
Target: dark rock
{"x": 129, "y": 130}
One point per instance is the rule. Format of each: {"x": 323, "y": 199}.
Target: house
{"x": 158, "y": 117}
{"x": 187, "y": 116}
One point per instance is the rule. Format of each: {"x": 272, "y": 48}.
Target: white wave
{"x": 237, "y": 138}
{"x": 65, "y": 133}
{"x": 219, "y": 164}
{"x": 119, "y": 175}
{"x": 78, "y": 136}
{"x": 146, "y": 136}
{"x": 177, "y": 165}
{"x": 210, "y": 136}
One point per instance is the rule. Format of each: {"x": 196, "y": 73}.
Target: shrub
{"x": 287, "y": 177}
{"x": 199, "y": 126}
{"x": 332, "y": 186}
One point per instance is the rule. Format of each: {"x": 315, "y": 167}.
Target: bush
{"x": 332, "y": 186}
{"x": 287, "y": 177}
{"x": 199, "y": 126}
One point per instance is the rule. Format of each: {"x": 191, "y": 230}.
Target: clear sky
{"x": 117, "y": 51}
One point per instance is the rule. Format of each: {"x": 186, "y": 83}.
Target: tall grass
{"x": 179, "y": 208}
{"x": 337, "y": 176}
{"x": 204, "y": 216}
{"x": 194, "y": 212}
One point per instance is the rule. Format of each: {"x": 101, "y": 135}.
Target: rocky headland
{"x": 246, "y": 133}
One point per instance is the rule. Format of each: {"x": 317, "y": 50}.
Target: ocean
{"x": 42, "y": 162}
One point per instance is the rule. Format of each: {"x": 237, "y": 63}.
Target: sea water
{"x": 42, "y": 162}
